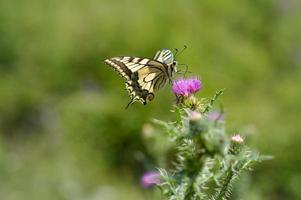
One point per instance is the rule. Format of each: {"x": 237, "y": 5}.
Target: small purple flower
{"x": 150, "y": 179}
{"x": 186, "y": 87}
{"x": 215, "y": 115}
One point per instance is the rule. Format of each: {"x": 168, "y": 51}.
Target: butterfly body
{"x": 144, "y": 76}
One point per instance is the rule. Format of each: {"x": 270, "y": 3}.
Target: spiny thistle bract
{"x": 207, "y": 161}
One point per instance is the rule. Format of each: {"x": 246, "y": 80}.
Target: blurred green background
{"x": 64, "y": 132}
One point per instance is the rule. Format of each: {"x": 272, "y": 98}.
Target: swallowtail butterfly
{"x": 144, "y": 76}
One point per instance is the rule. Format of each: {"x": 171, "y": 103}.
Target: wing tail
{"x": 129, "y": 104}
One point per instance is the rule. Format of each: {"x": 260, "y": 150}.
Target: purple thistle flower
{"x": 186, "y": 87}
{"x": 215, "y": 115}
{"x": 150, "y": 179}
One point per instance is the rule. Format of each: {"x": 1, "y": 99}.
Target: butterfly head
{"x": 166, "y": 56}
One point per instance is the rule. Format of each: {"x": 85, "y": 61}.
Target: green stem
{"x": 226, "y": 186}
{"x": 214, "y": 98}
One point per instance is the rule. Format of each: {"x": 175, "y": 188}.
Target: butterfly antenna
{"x": 176, "y": 51}
{"x": 180, "y": 52}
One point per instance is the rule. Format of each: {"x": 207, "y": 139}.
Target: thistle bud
{"x": 236, "y": 144}
{"x": 195, "y": 116}
{"x": 196, "y": 124}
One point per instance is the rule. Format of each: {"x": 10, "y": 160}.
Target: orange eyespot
{"x": 150, "y": 97}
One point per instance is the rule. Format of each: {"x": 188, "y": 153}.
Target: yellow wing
{"x": 143, "y": 76}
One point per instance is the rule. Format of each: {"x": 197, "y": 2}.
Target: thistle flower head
{"x": 150, "y": 179}
{"x": 237, "y": 139}
{"x": 186, "y": 87}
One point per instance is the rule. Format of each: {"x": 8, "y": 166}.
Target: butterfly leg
{"x": 169, "y": 80}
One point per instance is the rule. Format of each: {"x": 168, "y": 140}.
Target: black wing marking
{"x": 143, "y": 76}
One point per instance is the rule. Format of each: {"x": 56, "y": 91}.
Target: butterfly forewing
{"x": 119, "y": 66}
{"x": 143, "y": 76}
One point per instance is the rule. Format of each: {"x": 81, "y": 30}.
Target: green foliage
{"x": 207, "y": 162}
{"x": 211, "y": 102}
